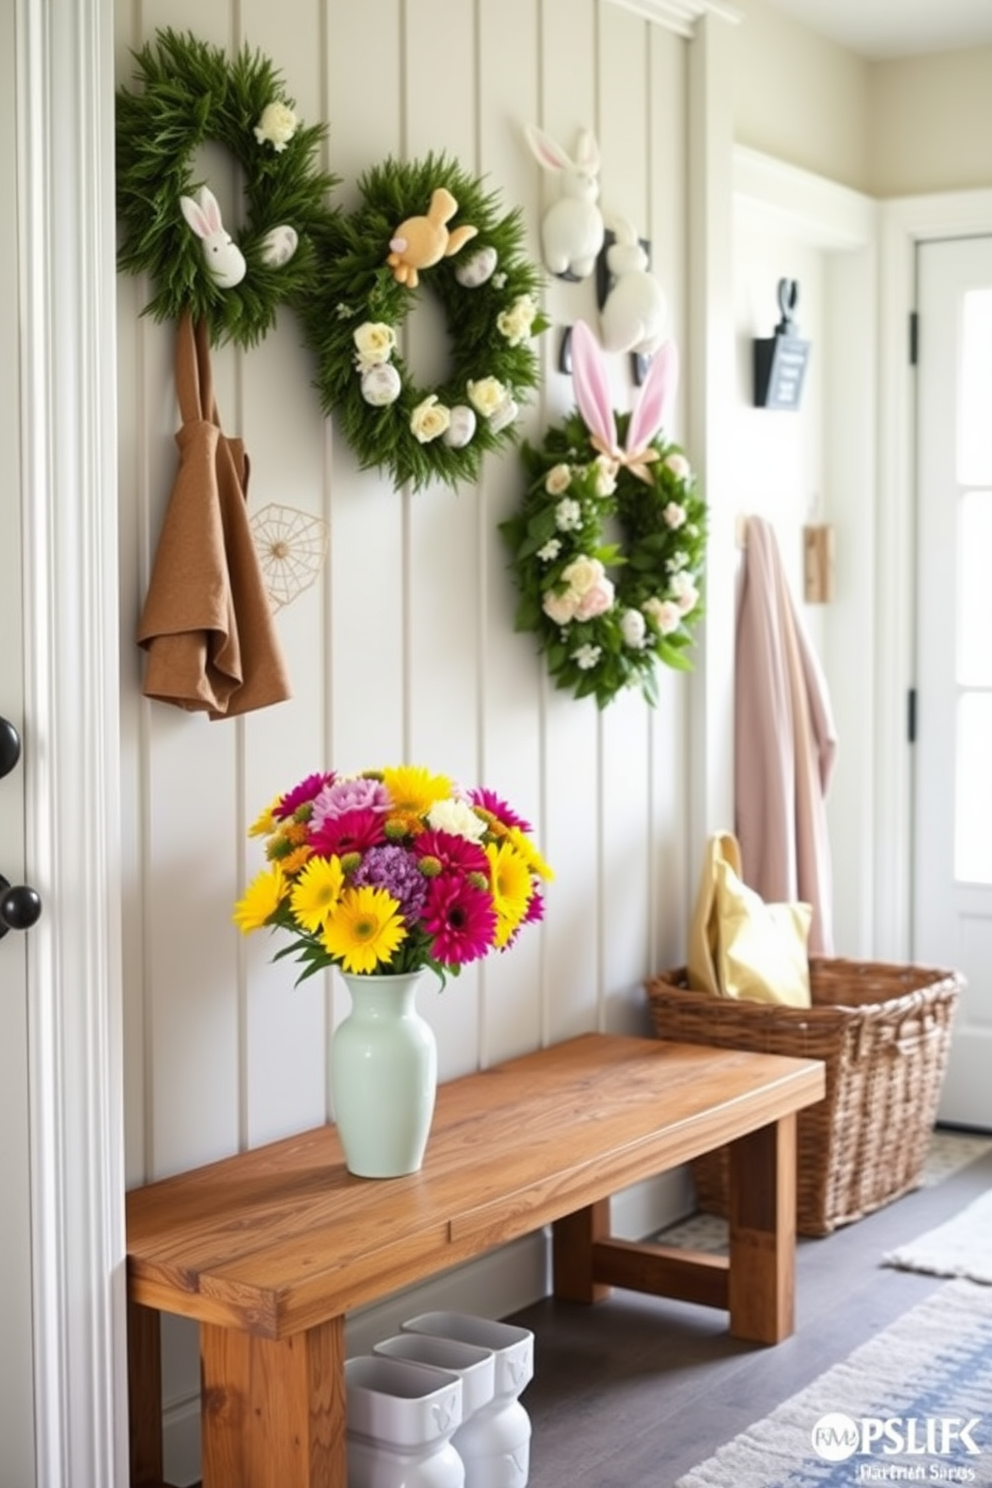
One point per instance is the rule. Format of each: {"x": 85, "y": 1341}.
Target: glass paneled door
{"x": 952, "y": 914}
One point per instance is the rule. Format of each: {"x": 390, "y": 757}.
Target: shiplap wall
{"x": 404, "y": 650}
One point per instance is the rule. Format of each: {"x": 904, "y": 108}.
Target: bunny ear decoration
{"x": 592, "y": 393}
{"x": 655, "y": 403}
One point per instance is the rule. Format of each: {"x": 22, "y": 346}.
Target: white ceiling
{"x": 895, "y": 28}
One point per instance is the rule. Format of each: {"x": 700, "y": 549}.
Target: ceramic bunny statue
{"x": 651, "y": 410}
{"x": 224, "y": 259}
{"x": 634, "y": 316}
{"x": 572, "y": 229}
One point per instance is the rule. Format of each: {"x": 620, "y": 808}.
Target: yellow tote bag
{"x": 739, "y": 946}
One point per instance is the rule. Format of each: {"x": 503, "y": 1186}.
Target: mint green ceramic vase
{"x": 384, "y": 1076}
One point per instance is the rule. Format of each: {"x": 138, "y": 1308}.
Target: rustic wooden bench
{"x": 270, "y": 1249}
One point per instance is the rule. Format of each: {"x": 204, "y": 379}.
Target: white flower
{"x": 674, "y": 515}
{"x": 665, "y": 614}
{"x": 375, "y": 342}
{"x": 568, "y": 515}
{"x": 677, "y": 561}
{"x": 685, "y": 592}
{"x": 276, "y": 126}
{"x": 586, "y": 657}
{"x": 487, "y": 395}
{"x": 632, "y": 628}
{"x": 550, "y": 551}
{"x": 606, "y": 475}
{"x": 499, "y": 280}
{"x": 583, "y": 574}
{"x": 679, "y": 466}
{"x": 343, "y": 311}
{"x": 516, "y": 322}
{"x": 429, "y": 419}
{"x": 559, "y": 607}
{"x": 458, "y": 818}
{"x": 558, "y": 479}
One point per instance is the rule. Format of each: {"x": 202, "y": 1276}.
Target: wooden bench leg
{"x": 274, "y": 1409}
{"x": 572, "y": 1243}
{"x": 763, "y": 1233}
{"x": 144, "y": 1392}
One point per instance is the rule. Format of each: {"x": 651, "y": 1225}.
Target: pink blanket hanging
{"x": 785, "y": 743}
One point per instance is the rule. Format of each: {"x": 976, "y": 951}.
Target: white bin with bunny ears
{"x": 494, "y": 1442}
{"x": 572, "y": 228}
{"x": 401, "y": 1418}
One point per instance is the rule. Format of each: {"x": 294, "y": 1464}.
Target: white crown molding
{"x": 65, "y": 144}
{"x": 681, "y": 16}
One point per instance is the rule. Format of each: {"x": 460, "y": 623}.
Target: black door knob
{"x": 20, "y": 906}
{"x": 10, "y": 746}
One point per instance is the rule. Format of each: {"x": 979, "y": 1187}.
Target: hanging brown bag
{"x": 207, "y": 622}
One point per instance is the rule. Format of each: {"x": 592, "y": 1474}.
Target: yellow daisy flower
{"x": 511, "y": 887}
{"x": 262, "y": 898}
{"x": 265, "y": 823}
{"x": 316, "y": 892}
{"x": 364, "y": 929}
{"x": 529, "y": 853}
{"x": 413, "y": 790}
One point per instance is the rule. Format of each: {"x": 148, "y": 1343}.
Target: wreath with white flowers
{"x": 171, "y": 228}
{"x": 428, "y": 223}
{"x": 602, "y": 633}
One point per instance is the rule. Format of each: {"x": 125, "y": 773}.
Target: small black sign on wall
{"x": 780, "y": 361}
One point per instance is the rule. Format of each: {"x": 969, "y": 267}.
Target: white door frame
{"x": 66, "y": 295}
{"x": 905, "y": 222}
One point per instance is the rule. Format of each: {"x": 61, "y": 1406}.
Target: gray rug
{"x": 960, "y": 1247}
{"x": 912, "y": 1405}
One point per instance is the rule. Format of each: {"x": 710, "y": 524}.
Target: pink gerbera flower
{"x": 455, "y": 854}
{"x": 301, "y": 795}
{"x": 356, "y": 831}
{"x": 460, "y": 919}
{"x": 497, "y": 807}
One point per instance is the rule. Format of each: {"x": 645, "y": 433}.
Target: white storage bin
{"x": 401, "y": 1418}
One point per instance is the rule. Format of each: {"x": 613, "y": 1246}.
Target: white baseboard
{"x": 495, "y": 1285}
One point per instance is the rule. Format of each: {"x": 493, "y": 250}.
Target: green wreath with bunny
{"x": 606, "y": 613}
{"x": 425, "y": 223}
{"x": 171, "y": 228}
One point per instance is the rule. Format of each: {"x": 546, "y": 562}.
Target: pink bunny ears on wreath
{"x": 651, "y": 410}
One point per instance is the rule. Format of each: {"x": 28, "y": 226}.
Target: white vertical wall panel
{"x": 404, "y": 648}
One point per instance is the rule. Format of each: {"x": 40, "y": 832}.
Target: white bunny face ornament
{"x": 224, "y": 260}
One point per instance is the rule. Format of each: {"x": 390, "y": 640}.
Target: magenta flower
{"x": 460, "y": 919}
{"x": 455, "y": 854}
{"x": 491, "y": 802}
{"x": 301, "y": 794}
{"x": 344, "y": 796}
{"x": 356, "y": 831}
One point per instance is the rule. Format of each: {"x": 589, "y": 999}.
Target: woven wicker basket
{"x": 883, "y": 1033}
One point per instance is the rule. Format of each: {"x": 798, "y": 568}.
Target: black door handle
{"x": 10, "y": 746}
{"x": 20, "y": 906}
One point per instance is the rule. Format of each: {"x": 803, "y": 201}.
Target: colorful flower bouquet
{"x": 390, "y": 871}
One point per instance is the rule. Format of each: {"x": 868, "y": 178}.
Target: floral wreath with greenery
{"x": 426, "y": 222}
{"x": 191, "y": 94}
{"x": 601, "y": 634}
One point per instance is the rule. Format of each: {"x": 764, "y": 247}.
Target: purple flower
{"x": 393, "y": 868}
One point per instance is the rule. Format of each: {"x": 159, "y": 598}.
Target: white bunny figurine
{"x": 572, "y": 230}
{"x": 224, "y": 259}
{"x": 634, "y": 316}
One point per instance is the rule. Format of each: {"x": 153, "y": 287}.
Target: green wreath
{"x": 425, "y": 222}
{"x": 171, "y": 228}
{"x": 602, "y": 633}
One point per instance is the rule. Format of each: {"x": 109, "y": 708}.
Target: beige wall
{"x": 799, "y": 97}
{"x": 894, "y": 128}
{"x": 930, "y": 123}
